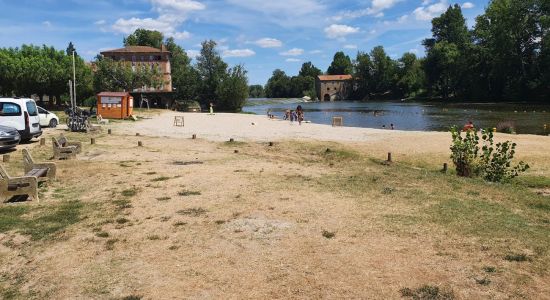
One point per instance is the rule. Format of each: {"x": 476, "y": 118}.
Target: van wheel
{"x": 53, "y": 123}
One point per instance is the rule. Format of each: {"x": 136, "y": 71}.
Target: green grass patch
{"x": 427, "y": 292}
{"x": 130, "y": 192}
{"x": 328, "y": 234}
{"x": 533, "y": 181}
{"x": 517, "y": 257}
{"x": 194, "y": 212}
{"x": 122, "y": 203}
{"x": 102, "y": 234}
{"x": 189, "y": 193}
{"x": 161, "y": 178}
{"x": 163, "y": 198}
{"x": 44, "y": 222}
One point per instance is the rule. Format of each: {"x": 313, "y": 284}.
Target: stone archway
{"x": 326, "y": 97}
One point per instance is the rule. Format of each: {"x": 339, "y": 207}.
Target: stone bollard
{"x": 92, "y": 141}
{"x": 140, "y": 144}
{"x": 108, "y": 131}
{"x": 6, "y": 158}
{"x": 42, "y": 141}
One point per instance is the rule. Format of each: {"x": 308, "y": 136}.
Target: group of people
{"x": 291, "y": 115}
{"x": 295, "y": 115}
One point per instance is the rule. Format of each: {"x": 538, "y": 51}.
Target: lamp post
{"x": 73, "y": 102}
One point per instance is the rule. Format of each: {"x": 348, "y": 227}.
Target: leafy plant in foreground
{"x": 492, "y": 162}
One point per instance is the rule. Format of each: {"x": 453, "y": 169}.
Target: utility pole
{"x": 74, "y": 84}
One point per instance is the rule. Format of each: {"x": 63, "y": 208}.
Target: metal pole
{"x": 71, "y": 92}
{"x": 74, "y": 81}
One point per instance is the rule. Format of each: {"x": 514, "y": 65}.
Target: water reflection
{"x": 527, "y": 118}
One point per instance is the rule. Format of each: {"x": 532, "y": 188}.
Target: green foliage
{"x": 185, "y": 78}
{"x": 256, "y": 91}
{"x": 118, "y": 76}
{"x": 492, "y": 162}
{"x": 282, "y": 86}
{"x": 233, "y": 89}
{"x": 42, "y": 71}
{"x": 144, "y": 37}
{"x": 211, "y": 70}
{"x": 341, "y": 65}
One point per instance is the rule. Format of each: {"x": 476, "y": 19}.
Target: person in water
{"x": 469, "y": 126}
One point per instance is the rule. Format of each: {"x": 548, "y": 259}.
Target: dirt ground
{"x": 203, "y": 218}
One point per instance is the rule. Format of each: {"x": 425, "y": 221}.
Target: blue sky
{"x": 261, "y": 34}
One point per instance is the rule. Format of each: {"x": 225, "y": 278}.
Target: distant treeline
{"x": 506, "y": 56}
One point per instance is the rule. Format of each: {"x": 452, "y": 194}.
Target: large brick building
{"x": 151, "y": 57}
{"x": 333, "y": 87}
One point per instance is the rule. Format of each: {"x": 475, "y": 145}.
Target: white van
{"x": 21, "y": 114}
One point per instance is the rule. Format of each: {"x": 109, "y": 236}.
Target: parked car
{"x": 21, "y": 114}
{"x": 47, "y": 118}
{"x": 9, "y": 137}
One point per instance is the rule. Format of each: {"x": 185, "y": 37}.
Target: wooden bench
{"x": 62, "y": 149}
{"x": 42, "y": 171}
{"x": 100, "y": 120}
{"x": 337, "y": 121}
{"x": 15, "y": 186}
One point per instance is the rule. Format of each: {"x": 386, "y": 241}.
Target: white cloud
{"x": 402, "y": 19}
{"x": 350, "y": 47}
{"x": 293, "y": 52}
{"x": 269, "y": 43}
{"x": 293, "y": 60}
{"x": 172, "y": 14}
{"x": 193, "y": 53}
{"x": 238, "y": 53}
{"x": 335, "y": 31}
{"x": 426, "y": 2}
{"x": 180, "y": 35}
{"x": 47, "y": 23}
{"x": 426, "y": 13}
{"x": 377, "y": 7}
{"x": 468, "y": 5}
{"x": 100, "y": 22}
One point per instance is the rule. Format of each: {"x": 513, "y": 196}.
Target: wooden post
{"x": 6, "y": 158}
{"x": 236, "y": 151}
{"x": 231, "y": 140}
{"x": 270, "y": 144}
{"x": 137, "y": 133}
{"x": 140, "y": 144}
{"x": 42, "y": 141}
{"x": 108, "y": 131}
{"x": 445, "y": 168}
{"x": 92, "y": 141}
{"x": 194, "y": 136}
{"x": 389, "y": 156}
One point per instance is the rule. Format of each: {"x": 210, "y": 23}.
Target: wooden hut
{"x": 115, "y": 105}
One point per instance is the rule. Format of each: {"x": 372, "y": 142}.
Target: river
{"x": 525, "y": 118}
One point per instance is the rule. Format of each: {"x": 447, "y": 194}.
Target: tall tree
{"x": 212, "y": 70}
{"x": 383, "y": 70}
{"x": 309, "y": 70}
{"x": 233, "y": 89}
{"x": 71, "y": 49}
{"x": 362, "y": 76}
{"x": 185, "y": 79}
{"x": 278, "y": 85}
{"x": 410, "y": 74}
{"x": 144, "y": 37}
{"x": 256, "y": 91}
{"x": 341, "y": 65}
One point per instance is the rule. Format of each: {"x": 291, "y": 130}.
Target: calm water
{"x": 527, "y": 118}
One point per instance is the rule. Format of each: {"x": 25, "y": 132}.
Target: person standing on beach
{"x": 299, "y": 114}
{"x": 211, "y": 108}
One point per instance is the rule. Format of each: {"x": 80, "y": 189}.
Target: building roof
{"x": 334, "y": 77}
{"x": 113, "y": 94}
{"x": 137, "y": 49}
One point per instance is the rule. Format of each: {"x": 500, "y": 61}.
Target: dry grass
{"x": 289, "y": 221}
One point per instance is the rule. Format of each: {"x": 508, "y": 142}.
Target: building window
{"x": 133, "y": 58}
{"x": 142, "y": 58}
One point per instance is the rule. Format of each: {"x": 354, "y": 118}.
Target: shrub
{"x": 492, "y": 162}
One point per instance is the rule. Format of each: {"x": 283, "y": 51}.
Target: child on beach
{"x": 299, "y": 114}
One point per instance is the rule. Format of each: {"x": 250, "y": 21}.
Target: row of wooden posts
{"x": 6, "y": 157}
